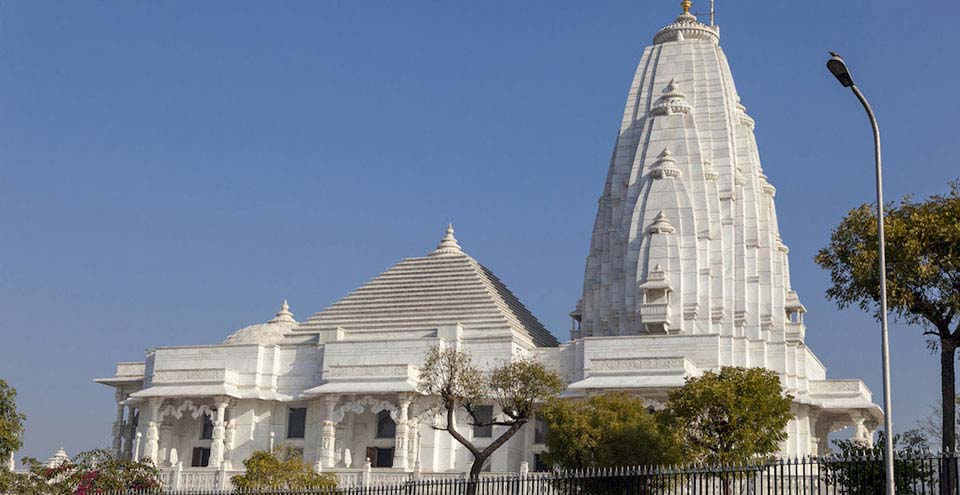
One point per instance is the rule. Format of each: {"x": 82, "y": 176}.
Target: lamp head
{"x": 838, "y": 68}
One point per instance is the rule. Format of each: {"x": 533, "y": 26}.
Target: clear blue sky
{"x": 170, "y": 171}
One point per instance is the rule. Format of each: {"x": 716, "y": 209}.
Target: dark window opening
{"x": 201, "y": 457}
{"x": 380, "y": 457}
{"x": 484, "y": 414}
{"x": 538, "y": 465}
{"x": 386, "y": 428}
{"x": 206, "y": 428}
{"x": 296, "y": 422}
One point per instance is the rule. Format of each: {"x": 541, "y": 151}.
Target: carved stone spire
{"x": 449, "y": 243}
{"x": 284, "y": 315}
{"x": 696, "y": 203}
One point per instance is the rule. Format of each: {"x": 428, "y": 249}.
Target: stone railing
{"x": 181, "y": 478}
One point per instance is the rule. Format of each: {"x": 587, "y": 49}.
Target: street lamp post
{"x": 838, "y": 68}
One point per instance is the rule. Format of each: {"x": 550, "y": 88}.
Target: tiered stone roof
{"x": 445, "y": 287}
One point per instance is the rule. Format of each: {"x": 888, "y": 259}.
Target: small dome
{"x": 267, "y": 333}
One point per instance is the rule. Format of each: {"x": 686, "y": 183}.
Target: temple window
{"x": 296, "y": 422}
{"x": 201, "y": 457}
{"x": 539, "y": 465}
{"x": 484, "y": 414}
{"x": 380, "y": 457}
{"x": 539, "y": 430}
{"x": 206, "y": 428}
{"x": 386, "y": 428}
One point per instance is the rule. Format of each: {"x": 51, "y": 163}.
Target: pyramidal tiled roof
{"x": 445, "y": 287}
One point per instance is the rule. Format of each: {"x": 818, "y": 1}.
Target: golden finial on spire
{"x": 685, "y": 5}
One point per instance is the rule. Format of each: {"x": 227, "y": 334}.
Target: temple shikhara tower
{"x": 687, "y": 272}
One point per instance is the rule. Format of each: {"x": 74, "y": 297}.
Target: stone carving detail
{"x": 835, "y": 386}
{"x": 686, "y": 27}
{"x": 189, "y": 375}
{"x": 364, "y": 403}
{"x": 672, "y": 101}
{"x": 665, "y": 166}
{"x": 709, "y": 172}
{"x": 368, "y": 370}
{"x": 661, "y": 225}
{"x": 187, "y": 405}
{"x": 629, "y": 364}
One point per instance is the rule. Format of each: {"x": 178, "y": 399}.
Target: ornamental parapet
{"x": 615, "y": 365}
{"x": 844, "y": 388}
{"x": 219, "y": 375}
{"x": 371, "y": 370}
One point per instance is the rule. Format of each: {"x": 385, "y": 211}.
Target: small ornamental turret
{"x": 766, "y": 186}
{"x": 672, "y": 101}
{"x": 284, "y": 315}
{"x": 738, "y": 178}
{"x": 661, "y": 225}
{"x": 449, "y": 243}
{"x": 709, "y": 172}
{"x": 665, "y": 166}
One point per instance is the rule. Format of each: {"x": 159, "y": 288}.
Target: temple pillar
{"x": 151, "y": 447}
{"x": 118, "y": 426}
{"x": 328, "y": 434}
{"x": 129, "y": 431}
{"x": 871, "y": 427}
{"x": 166, "y": 434}
{"x": 219, "y": 432}
{"x": 135, "y": 455}
{"x": 822, "y": 436}
{"x": 860, "y": 434}
{"x": 400, "y": 456}
{"x": 228, "y": 443}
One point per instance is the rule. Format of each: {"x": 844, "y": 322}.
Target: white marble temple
{"x": 686, "y": 273}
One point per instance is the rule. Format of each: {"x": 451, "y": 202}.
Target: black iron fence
{"x": 915, "y": 475}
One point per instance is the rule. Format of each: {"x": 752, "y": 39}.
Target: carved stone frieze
{"x": 208, "y": 375}
{"x": 646, "y": 363}
{"x": 339, "y": 371}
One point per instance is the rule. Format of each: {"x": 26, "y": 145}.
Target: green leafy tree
{"x": 923, "y": 276}
{"x": 608, "y": 430}
{"x": 11, "y": 422}
{"x": 734, "y": 416}
{"x": 518, "y": 387}
{"x": 859, "y": 470}
{"x": 281, "y": 469}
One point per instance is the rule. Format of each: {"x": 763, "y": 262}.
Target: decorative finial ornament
{"x": 661, "y": 225}
{"x": 449, "y": 243}
{"x": 665, "y": 166}
{"x": 284, "y": 315}
{"x": 687, "y": 27}
{"x": 671, "y": 101}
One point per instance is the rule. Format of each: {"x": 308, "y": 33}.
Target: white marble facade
{"x": 686, "y": 272}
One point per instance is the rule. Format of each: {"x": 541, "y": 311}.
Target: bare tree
{"x": 518, "y": 387}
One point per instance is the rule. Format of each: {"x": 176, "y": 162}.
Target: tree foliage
{"x": 606, "y": 430}
{"x": 88, "y": 473}
{"x": 923, "y": 274}
{"x": 859, "y": 470}
{"x": 734, "y": 416}
{"x": 281, "y": 469}
{"x": 11, "y": 422}
{"x": 518, "y": 387}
